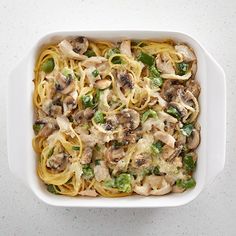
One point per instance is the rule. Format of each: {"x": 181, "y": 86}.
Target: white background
{"x": 210, "y": 22}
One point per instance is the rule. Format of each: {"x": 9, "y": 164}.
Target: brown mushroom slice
{"x": 165, "y": 188}
{"x": 101, "y": 172}
{"x": 80, "y": 45}
{"x": 69, "y": 104}
{"x": 169, "y": 90}
{"x": 102, "y": 84}
{"x": 164, "y": 64}
{"x": 89, "y": 193}
{"x": 88, "y": 113}
{"x": 125, "y": 80}
{"x": 58, "y": 162}
{"x": 114, "y": 155}
{"x": 51, "y": 109}
{"x": 194, "y": 87}
{"x": 187, "y": 53}
{"x": 165, "y": 138}
{"x": 64, "y": 84}
{"x": 189, "y": 102}
{"x": 86, "y": 156}
{"x": 168, "y": 153}
{"x": 125, "y": 48}
{"x": 142, "y": 189}
{"x": 67, "y": 50}
{"x": 193, "y": 140}
{"x": 154, "y": 181}
{"x": 129, "y": 118}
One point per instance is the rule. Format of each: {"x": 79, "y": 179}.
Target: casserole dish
{"x": 22, "y": 159}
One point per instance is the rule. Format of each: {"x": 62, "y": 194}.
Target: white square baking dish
{"x": 22, "y": 159}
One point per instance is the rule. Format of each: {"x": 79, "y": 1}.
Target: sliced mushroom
{"x": 64, "y": 84}
{"x": 193, "y": 140}
{"x": 101, "y": 172}
{"x": 69, "y": 104}
{"x": 169, "y": 90}
{"x": 111, "y": 122}
{"x": 180, "y": 139}
{"x": 67, "y": 50}
{"x": 113, "y": 155}
{"x": 194, "y": 87}
{"x": 79, "y": 117}
{"x": 187, "y": 53}
{"x": 58, "y": 162}
{"x": 165, "y": 188}
{"x": 102, "y": 84}
{"x": 88, "y": 113}
{"x": 164, "y": 64}
{"x": 80, "y": 45}
{"x": 154, "y": 181}
{"x": 51, "y": 109}
{"x": 129, "y": 119}
{"x": 169, "y": 153}
{"x": 178, "y": 162}
{"x": 125, "y": 80}
{"x": 165, "y": 138}
{"x": 86, "y": 156}
{"x": 143, "y": 189}
{"x": 125, "y": 48}
{"x": 141, "y": 160}
{"x": 49, "y": 126}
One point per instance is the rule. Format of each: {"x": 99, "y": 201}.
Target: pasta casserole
{"x": 116, "y": 118}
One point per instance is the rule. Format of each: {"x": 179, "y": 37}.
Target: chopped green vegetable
{"x": 67, "y": 71}
{"x": 50, "y": 152}
{"x": 186, "y": 184}
{"x": 110, "y": 183}
{"x": 37, "y": 127}
{"x": 116, "y": 60}
{"x": 97, "y": 162}
{"x": 182, "y": 68}
{"x": 157, "y": 147}
{"x": 97, "y": 95}
{"x": 147, "y": 114}
{"x": 146, "y": 59}
{"x": 90, "y": 53}
{"x": 174, "y": 112}
{"x": 99, "y": 117}
{"x": 51, "y": 189}
{"x": 48, "y": 65}
{"x": 87, "y": 100}
{"x": 187, "y": 129}
{"x": 75, "y": 148}
{"x": 156, "y": 170}
{"x": 95, "y": 73}
{"x": 189, "y": 163}
{"x": 123, "y": 182}
{"x": 157, "y": 81}
{"x": 87, "y": 172}
{"x": 147, "y": 171}
{"x": 154, "y": 71}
